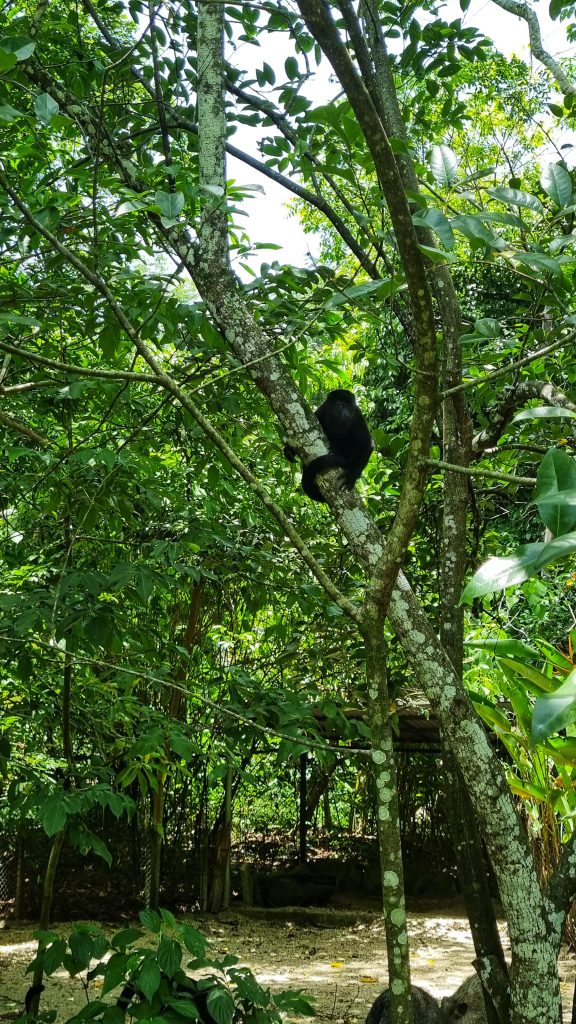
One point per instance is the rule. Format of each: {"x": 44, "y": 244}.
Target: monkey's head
{"x": 340, "y": 396}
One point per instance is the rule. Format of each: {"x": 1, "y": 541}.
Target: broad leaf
{"x": 169, "y": 956}
{"x": 438, "y": 223}
{"x": 555, "y": 483}
{"x": 149, "y": 978}
{"x": 557, "y": 183}
{"x": 504, "y": 647}
{"x": 539, "y": 260}
{"x": 46, "y": 108}
{"x": 545, "y": 412}
{"x": 21, "y": 46}
{"x": 443, "y": 164}
{"x": 476, "y": 231}
{"x": 514, "y": 197}
{"x": 220, "y": 1005}
{"x": 555, "y": 711}
{"x": 498, "y": 573}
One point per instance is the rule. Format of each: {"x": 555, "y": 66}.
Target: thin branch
{"x": 21, "y": 428}
{"x": 510, "y": 367}
{"x": 55, "y": 364}
{"x": 524, "y": 481}
{"x": 530, "y": 17}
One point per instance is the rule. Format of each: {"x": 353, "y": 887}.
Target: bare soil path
{"x": 337, "y": 957}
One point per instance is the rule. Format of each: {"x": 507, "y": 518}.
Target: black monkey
{"x": 349, "y": 442}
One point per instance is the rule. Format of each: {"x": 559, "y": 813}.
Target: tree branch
{"x": 524, "y": 481}
{"x": 515, "y": 398}
{"x": 21, "y": 428}
{"x": 528, "y": 15}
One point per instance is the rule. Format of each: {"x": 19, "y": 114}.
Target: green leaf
{"x": 115, "y": 971}
{"x": 487, "y": 328}
{"x": 438, "y": 255}
{"x": 293, "y": 1001}
{"x": 514, "y": 197}
{"x": 170, "y": 205}
{"x": 46, "y": 108}
{"x": 381, "y": 289}
{"x": 555, "y": 711}
{"x": 539, "y": 260}
{"x": 476, "y": 231}
{"x": 195, "y": 942}
{"x": 149, "y": 978}
{"x": 169, "y": 956}
{"x": 54, "y": 956}
{"x": 8, "y": 114}
{"x": 220, "y": 1005}
{"x": 556, "y": 7}
{"x": 545, "y": 412}
{"x": 499, "y": 573}
{"x": 81, "y": 947}
{"x": 443, "y": 164}
{"x": 21, "y": 46}
{"x": 291, "y": 68}
{"x": 537, "y": 682}
{"x": 504, "y": 647}
{"x": 265, "y": 75}
{"x": 7, "y": 61}
{"x": 557, "y": 183}
{"x": 55, "y": 814}
{"x": 556, "y": 481}
{"x": 99, "y": 847}
{"x": 125, "y": 937}
{"x": 182, "y": 746}
{"x": 185, "y": 1008}
{"x": 438, "y": 223}
{"x": 150, "y": 919}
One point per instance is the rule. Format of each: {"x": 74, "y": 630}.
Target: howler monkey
{"x": 349, "y": 442}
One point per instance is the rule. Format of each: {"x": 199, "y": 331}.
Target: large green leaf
{"x": 438, "y": 223}
{"x": 545, "y": 412}
{"x": 555, "y": 711}
{"x": 220, "y": 1004}
{"x": 514, "y": 197}
{"x": 498, "y": 573}
{"x": 21, "y": 46}
{"x": 504, "y": 647}
{"x": 473, "y": 228}
{"x": 46, "y": 108}
{"x": 557, "y": 182}
{"x": 169, "y": 956}
{"x": 444, "y": 164}
{"x": 556, "y": 484}
{"x": 149, "y": 977}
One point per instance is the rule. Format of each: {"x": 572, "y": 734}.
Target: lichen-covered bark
{"x": 384, "y": 771}
{"x": 535, "y": 990}
{"x": 213, "y": 237}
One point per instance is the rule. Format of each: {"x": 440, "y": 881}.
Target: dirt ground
{"x": 339, "y": 958}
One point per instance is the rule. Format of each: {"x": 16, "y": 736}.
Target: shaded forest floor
{"x": 336, "y": 956}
